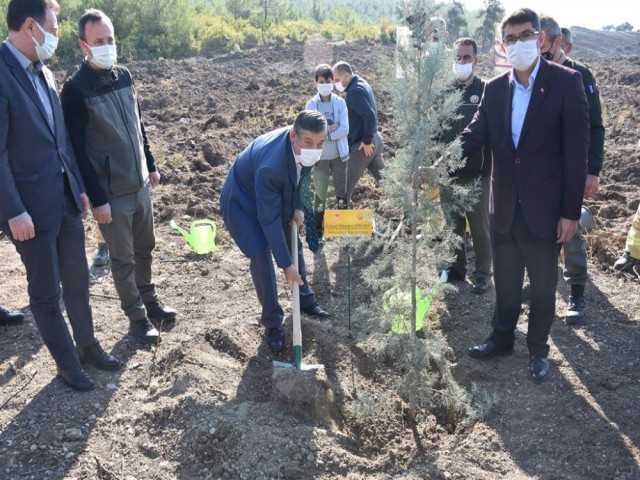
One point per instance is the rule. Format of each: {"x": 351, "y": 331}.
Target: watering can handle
{"x": 204, "y": 222}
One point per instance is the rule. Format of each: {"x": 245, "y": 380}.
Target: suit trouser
{"x": 512, "y": 252}
{"x": 478, "y": 217}
{"x": 131, "y": 241}
{"x": 575, "y": 260}
{"x": 358, "y": 162}
{"x": 53, "y": 257}
{"x": 264, "y": 279}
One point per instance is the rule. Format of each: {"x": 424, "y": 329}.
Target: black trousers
{"x": 54, "y": 257}
{"x": 514, "y": 251}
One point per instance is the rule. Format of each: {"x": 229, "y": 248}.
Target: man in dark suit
{"x": 42, "y": 194}
{"x": 259, "y": 201}
{"x": 536, "y": 120}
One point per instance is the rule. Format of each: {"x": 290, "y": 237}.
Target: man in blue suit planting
{"x": 259, "y": 201}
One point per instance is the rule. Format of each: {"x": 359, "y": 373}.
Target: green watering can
{"x": 201, "y": 236}
{"x": 396, "y": 297}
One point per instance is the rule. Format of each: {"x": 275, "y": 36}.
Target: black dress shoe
{"x": 144, "y": 331}
{"x": 158, "y": 311}
{"x": 275, "y": 339}
{"x": 315, "y": 310}
{"x": 538, "y": 368}
{"x": 96, "y": 356}
{"x": 481, "y": 285}
{"x": 77, "y": 379}
{"x": 489, "y": 350}
{"x": 10, "y": 318}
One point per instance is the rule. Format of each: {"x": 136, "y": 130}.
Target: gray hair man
{"x": 365, "y": 142}
{"x": 575, "y": 250}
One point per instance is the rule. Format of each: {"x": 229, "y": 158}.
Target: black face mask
{"x": 548, "y": 55}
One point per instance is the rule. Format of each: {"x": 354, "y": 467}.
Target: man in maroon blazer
{"x": 536, "y": 121}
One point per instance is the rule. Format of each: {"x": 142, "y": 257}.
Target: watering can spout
{"x": 182, "y": 231}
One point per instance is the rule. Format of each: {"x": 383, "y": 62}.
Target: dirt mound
{"x": 202, "y": 406}
{"x": 602, "y": 44}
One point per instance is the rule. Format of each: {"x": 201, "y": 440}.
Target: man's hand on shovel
{"x": 292, "y": 275}
{"x": 298, "y": 217}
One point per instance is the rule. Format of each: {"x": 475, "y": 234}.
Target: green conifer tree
{"x": 425, "y": 104}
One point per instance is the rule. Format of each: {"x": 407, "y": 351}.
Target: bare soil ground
{"x": 204, "y": 407}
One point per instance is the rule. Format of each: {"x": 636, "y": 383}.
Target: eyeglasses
{"x": 523, "y": 37}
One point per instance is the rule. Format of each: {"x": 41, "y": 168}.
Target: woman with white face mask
{"x": 335, "y": 152}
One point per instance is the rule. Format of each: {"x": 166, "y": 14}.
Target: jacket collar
{"x": 20, "y": 74}
{"x": 290, "y": 159}
{"x": 354, "y": 79}
{"x": 99, "y": 79}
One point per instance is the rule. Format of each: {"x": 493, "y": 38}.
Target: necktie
{"x": 307, "y": 203}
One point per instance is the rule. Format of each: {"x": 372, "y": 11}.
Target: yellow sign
{"x": 342, "y": 223}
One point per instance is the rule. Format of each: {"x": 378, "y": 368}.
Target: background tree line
{"x": 148, "y": 29}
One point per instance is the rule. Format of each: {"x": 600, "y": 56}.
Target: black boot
{"x": 101, "y": 259}
{"x": 576, "y": 308}
{"x": 341, "y": 203}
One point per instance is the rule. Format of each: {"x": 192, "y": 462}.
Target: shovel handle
{"x": 295, "y": 293}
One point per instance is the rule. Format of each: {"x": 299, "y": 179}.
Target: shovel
{"x": 297, "y": 329}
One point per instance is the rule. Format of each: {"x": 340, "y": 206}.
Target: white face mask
{"x": 47, "y": 49}
{"x": 104, "y": 56}
{"x": 339, "y": 87}
{"x": 521, "y": 55}
{"x": 463, "y": 71}
{"x": 325, "y": 89}
{"x": 309, "y": 156}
